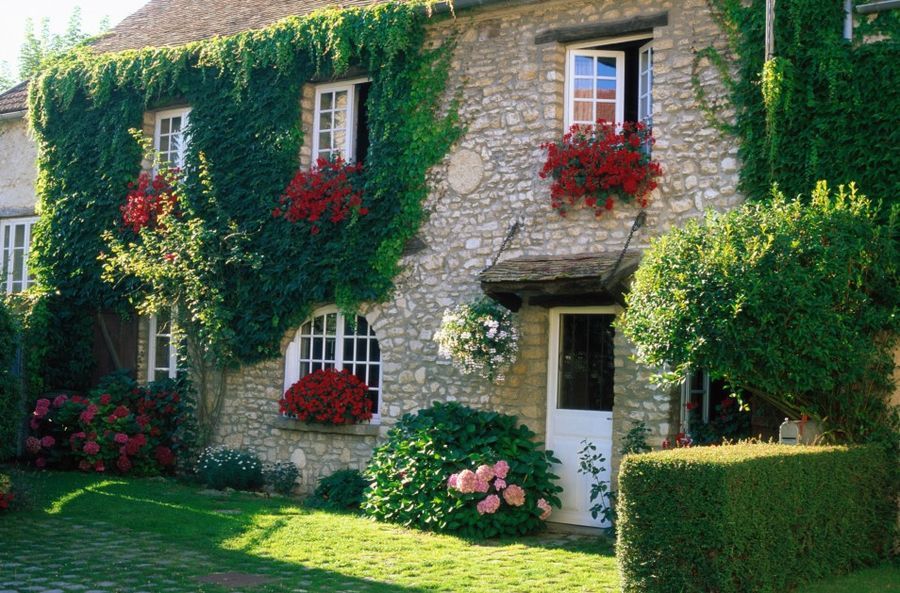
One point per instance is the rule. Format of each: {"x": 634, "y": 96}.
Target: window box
{"x": 287, "y": 423}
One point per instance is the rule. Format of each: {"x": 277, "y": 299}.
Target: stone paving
{"x": 66, "y": 556}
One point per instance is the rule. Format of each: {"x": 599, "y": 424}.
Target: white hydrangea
{"x": 479, "y": 338}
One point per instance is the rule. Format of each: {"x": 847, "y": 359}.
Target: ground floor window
{"x": 709, "y": 413}
{"x": 15, "y": 246}
{"x": 162, "y": 350}
{"x": 331, "y": 340}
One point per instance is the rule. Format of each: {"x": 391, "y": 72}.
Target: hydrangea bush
{"x": 221, "y": 467}
{"x": 454, "y": 469}
{"x": 119, "y": 427}
{"x": 480, "y": 338}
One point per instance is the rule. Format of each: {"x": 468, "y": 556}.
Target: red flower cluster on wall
{"x": 126, "y": 431}
{"x": 149, "y": 199}
{"x": 594, "y": 164}
{"x": 331, "y": 191}
{"x": 328, "y": 397}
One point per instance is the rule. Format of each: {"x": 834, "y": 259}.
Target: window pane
{"x": 176, "y": 124}
{"x": 584, "y": 88}
{"x": 160, "y": 375}
{"x": 373, "y": 397}
{"x": 329, "y": 349}
{"x": 20, "y": 235}
{"x": 340, "y": 139}
{"x": 362, "y": 326}
{"x": 325, "y": 120}
{"x": 348, "y": 349}
{"x": 583, "y": 112}
{"x": 317, "y": 349}
{"x": 606, "y": 89}
{"x": 361, "y": 349}
{"x": 327, "y": 101}
{"x": 606, "y": 67}
{"x": 331, "y": 324}
{"x": 375, "y": 351}
{"x": 164, "y": 126}
{"x": 318, "y": 325}
{"x": 584, "y": 65}
{"x": 304, "y": 348}
{"x": 340, "y": 100}
{"x": 606, "y": 111}
{"x": 340, "y": 119}
{"x": 18, "y": 261}
{"x": 163, "y": 144}
{"x": 374, "y": 379}
{"x": 586, "y": 363}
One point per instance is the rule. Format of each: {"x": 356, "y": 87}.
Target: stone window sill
{"x": 350, "y": 429}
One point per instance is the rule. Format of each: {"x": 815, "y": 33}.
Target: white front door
{"x": 579, "y": 402}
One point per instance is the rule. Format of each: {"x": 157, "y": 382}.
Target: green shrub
{"x": 411, "y": 474}
{"x": 11, "y": 413}
{"x": 280, "y": 476}
{"x": 221, "y": 467}
{"x": 793, "y": 303}
{"x": 341, "y": 490}
{"x": 755, "y": 518}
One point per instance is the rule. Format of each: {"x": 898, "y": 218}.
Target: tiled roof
{"x": 176, "y": 22}
{"x": 15, "y": 99}
{"x": 554, "y": 268}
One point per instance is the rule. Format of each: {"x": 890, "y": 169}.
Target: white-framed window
{"x": 702, "y": 398}
{"x": 645, "y": 84}
{"x": 169, "y": 137}
{"x": 329, "y": 340}
{"x": 339, "y": 120}
{"x": 610, "y": 79}
{"x": 15, "y": 247}
{"x": 162, "y": 350}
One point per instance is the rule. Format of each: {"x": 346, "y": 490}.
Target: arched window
{"x": 329, "y": 340}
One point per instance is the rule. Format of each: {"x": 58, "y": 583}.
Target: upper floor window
{"x": 340, "y": 124}
{"x": 15, "y": 235}
{"x": 162, "y": 350}
{"x": 329, "y": 340}
{"x": 612, "y": 80}
{"x": 169, "y": 138}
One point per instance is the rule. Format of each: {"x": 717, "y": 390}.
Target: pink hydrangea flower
{"x": 48, "y": 441}
{"x": 121, "y": 438}
{"x": 501, "y": 468}
{"x": 59, "y": 400}
{"x": 84, "y": 465}
{"x": 40, "y": 462}
{"x": 91, "y": 448}
{"x": 124, "y": 464}
{"x": 481, "y": 485}
{"x": 87, "y": 416}
{"x": 489, "y": 505}
{"x": 499, "y": 484}
{"x": 545, "y": 507}
{"x": 514, "y": 495}
{"x": 99, "y": 466}
{"x": 466, "y": 481}
{"x": 485, "y": 472}
{"x": 42, "y": 403}
{"x": 451, "y": 481}
{"x": 33, "y": 445}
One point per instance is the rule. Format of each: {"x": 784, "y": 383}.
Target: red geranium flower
{"x": 328, "y": 397}
{"x": 330, "y": 191}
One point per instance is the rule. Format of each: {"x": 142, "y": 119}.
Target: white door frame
{"x": 556, "y": 314}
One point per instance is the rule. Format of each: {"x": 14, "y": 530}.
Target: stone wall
{"x": 512, "y": 101}
{"x": 18, "y": 168}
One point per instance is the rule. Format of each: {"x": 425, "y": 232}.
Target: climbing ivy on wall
{"x": 241, "y": 277}
{"x": 824, "y": 108}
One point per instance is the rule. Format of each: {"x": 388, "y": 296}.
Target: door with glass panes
{"x": 580, "y": 401}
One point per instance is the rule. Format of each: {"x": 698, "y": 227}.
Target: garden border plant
{"x": 231, "y": 267}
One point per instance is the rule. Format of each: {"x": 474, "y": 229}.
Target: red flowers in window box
{"x": 595, "y": 164}
{"x": 328, "y": 397}
{"x": 149, "y": 200}
{"x": 331, "y": 191}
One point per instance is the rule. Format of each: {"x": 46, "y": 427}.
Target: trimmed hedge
{"x": 752, "y": 517}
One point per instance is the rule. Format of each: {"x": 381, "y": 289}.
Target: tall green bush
{"x": 752, "y": 518}
{"x": 10, "y": 391}
{"x": 414, "y": 474}
{"x": 793, "y": 302}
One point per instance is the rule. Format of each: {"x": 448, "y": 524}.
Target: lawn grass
{"x": 158, "y": 535}
{"x": 322, "y": 551}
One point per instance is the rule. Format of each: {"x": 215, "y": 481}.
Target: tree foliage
{"x": 794, "y": 303}
{"x": 42, "y": 44}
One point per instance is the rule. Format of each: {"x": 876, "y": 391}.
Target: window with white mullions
{"x": 610, "y": 79}
{"x": 645, "y": 85}
{"x": 15, "y": 235}
{"x": 329, "y": 340}
{"x": 162, "y": 351}
{"x": 170, "y": 138}
{"x": 340, "y": 126}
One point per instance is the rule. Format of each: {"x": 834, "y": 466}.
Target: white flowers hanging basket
{"x": 480, "y": 338}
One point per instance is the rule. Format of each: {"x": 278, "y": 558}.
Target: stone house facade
{"x": 515, "y": 66}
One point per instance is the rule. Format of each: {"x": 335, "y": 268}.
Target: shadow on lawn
{"x": 190, "y": 523}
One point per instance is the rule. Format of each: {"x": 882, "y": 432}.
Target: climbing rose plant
{"x": 149, "y": 200}
{"x": 480, "y": 338}
{"x": 594, "y": 164}
{"x": 328, "y": 396}
{"x": 331, "y": 191}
